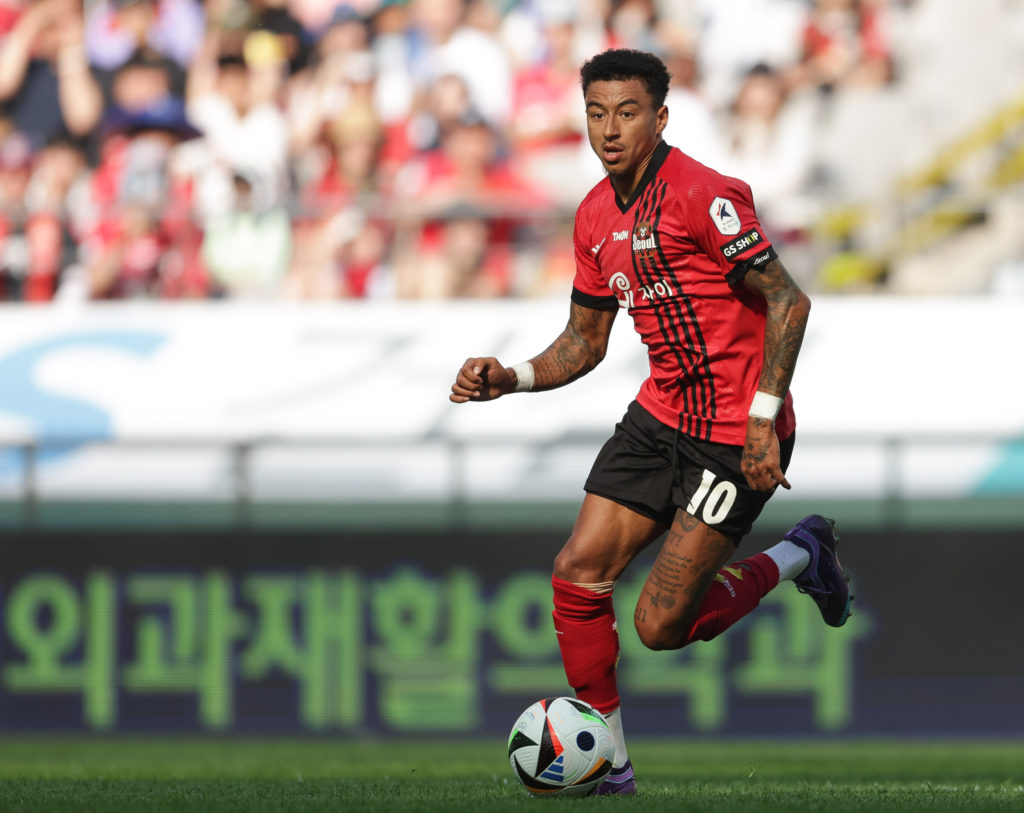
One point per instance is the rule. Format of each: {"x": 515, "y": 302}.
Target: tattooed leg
{"x": 685, "y": 568}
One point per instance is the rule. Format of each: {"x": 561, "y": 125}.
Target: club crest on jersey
{"x": 644, "y": 242}
{"x": 723, "y": 214}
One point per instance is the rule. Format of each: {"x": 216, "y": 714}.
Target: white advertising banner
{"x": 349, "y": 401}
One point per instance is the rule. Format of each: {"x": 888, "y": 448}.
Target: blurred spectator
{"x": 363, "y": 253}
{"x": 16, "y": 162}
{"x": 845, "y": 43}
{"x": 315, "y": 15}
{"x": 691, "y": 118}
{"x": 552, "y": 266}
{"x": 276, "y": 17}
{"x": 389, "y": 44}
{"x": 32, "y": 244}
{"x": 234, "y": 96}
{"x": 340, "y": 246}
{"x": 739, "y": 34}
{"x": 547, "y": 121}
{"x": 146, "y": 79}
{"x": 458, "y": 257}
{"x": 633, "y": 24}
{"x": 768, "y": 143}
{"x": 142, "y": 86}
{"x": 58, "y": 209}
{"x": 15, "y": 169}
{"x": 340, "y": 69}
{"x": 311, "y": 274}
{"x": 345, "y": 255}
{"x": 448, "y": 199}
{"x": 468, "y": 167}
{"x": 117, "y": 29}
{"x": 145, "y": 243}
{"x": 46, "y": 86}
{"x": 443, "y": 43}
{"x": 247, "y": 249}
{"x": 768, "y": 140}
{"x": 59, "y": 183}
{"x": 445, "y": 104}
{"x": 349, "y": 162}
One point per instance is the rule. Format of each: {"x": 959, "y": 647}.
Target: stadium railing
{"x": 870, "y": 479}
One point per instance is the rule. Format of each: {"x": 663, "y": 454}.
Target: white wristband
{"x": 765, "y": 406}
{"x": 524, "y": 376}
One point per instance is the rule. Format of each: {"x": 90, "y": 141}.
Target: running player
{"x": 710, "y": 434}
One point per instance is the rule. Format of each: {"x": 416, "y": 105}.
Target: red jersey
{"x": 674, "y": 256}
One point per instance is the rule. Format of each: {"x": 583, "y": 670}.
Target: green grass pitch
{"x": 95, "y": 774}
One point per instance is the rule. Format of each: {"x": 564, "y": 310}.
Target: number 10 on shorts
{"x": 711, "y": 502}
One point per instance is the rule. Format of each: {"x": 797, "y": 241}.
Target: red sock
{"x": 586, "y": 633}
{"x": 736, "y": 590}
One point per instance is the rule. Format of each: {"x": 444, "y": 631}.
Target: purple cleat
{"x": 619, "y": 782}
{"x": 823, "y": 579}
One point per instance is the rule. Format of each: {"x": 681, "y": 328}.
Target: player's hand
{"x": 760, "y": 463}
{"x": 481, "y": 379}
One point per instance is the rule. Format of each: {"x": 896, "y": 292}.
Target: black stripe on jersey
{"x": 705, "y": 381}
{"x": 680, "y": 332}
{"x": 598, "y": 303}
{"x": 700, "y": 400}
{"x": 672, "y": 314}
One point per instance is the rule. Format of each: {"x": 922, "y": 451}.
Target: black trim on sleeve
{"x": 739, "y": 271}
{"x": 597, "y": 303}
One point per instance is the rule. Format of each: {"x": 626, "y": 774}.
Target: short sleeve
{"x": 589, "y": 287}
{"x": 727, "y": 229}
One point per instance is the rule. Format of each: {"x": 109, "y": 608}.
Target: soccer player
{"x": 710, "y": 434}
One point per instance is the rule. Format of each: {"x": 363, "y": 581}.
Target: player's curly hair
{"x": 620, "y": 64}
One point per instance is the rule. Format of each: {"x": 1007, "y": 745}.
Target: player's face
{"x": 624, "y": 127}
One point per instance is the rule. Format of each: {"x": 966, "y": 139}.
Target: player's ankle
{"x": 614, "y": 720}
{"x": 791, "y": 559}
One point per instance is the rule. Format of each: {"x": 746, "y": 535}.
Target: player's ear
{"x": 661, "y": 118}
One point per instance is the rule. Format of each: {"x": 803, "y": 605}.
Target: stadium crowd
{"x": 378, "y": 148}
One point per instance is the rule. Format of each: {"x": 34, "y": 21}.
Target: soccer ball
{"x": 561, "y": 746}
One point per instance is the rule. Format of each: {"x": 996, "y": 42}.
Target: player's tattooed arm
{"x": 788, "y": 309}
{"x": 577, "y": 350}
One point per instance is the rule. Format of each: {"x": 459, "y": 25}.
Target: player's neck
{"x": 625, "y": 185}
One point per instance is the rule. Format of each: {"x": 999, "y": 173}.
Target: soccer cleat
{"x": 619, "y": 782}
{"x": 823, "y": 579}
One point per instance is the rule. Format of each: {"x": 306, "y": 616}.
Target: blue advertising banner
{"x": 401, "y": 634}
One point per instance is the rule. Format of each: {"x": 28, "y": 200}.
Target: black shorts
{"x": 653, "y": 469}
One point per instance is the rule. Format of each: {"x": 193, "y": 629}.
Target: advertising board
{"x": 409, "y": 633}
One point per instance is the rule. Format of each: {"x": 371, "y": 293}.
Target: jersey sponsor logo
{"x": 659, "y": 289}
{"x": 723, "y": 215}
{"x": 597, "y": 248}
{"x": 644, "y": 242}
{"x": 620, "y": 235}
{"x": 742, "y": 243}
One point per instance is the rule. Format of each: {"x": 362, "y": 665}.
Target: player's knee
{"x": 565, "y": 566}
{"x": 576, "y": 564}
{"x": 659, "y": 634}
